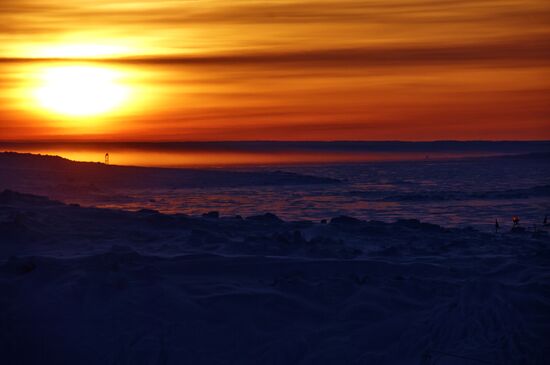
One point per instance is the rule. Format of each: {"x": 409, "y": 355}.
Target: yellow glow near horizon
{"x": 80, "y": 91}
{"x": 80, "y": 51}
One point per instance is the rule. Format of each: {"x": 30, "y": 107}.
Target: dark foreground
{"x": 96, "y": 286}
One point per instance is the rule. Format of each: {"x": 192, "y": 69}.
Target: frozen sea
{"x": 453, "y": 192}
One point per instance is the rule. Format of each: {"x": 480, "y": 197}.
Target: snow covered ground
{"x": 311, "y": 264}
{"x": 85, "y": 285}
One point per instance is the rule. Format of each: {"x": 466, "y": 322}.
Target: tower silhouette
{"x": 106, "y": 159}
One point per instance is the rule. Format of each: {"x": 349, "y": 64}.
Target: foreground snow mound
{"x": 96, "y": 286}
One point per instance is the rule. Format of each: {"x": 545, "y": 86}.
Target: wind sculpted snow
{"x": 103, "y": 286}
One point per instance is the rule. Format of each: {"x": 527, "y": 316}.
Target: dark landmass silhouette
{"x": 486, "y": 147}
{"x": 23, "y": 169}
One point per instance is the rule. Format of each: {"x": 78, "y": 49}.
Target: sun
{"x": 80, "y": 91}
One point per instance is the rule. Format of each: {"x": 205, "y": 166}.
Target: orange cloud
{"x": 310, "y": 69}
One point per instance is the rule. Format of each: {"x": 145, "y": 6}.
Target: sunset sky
{"x": 274, "y": 70}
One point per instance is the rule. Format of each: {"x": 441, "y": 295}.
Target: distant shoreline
{"x": 248, "y": 153}
{"x": 270, "y": 146}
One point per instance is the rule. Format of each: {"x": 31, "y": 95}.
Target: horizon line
{"x": 277, "y": 141}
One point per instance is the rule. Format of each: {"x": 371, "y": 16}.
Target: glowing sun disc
{"x": 80, "y": 91}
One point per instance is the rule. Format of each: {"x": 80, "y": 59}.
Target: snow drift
{"x": 98, "y": 286}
